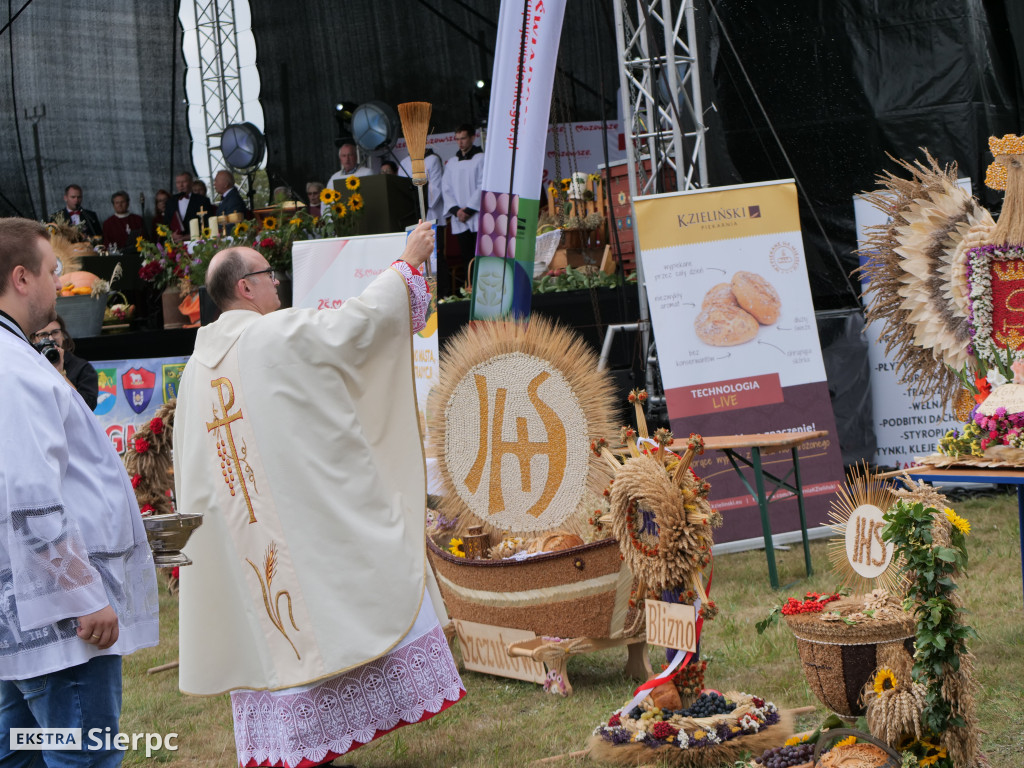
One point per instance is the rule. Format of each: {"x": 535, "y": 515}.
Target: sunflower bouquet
{"x": 341, "y": 210}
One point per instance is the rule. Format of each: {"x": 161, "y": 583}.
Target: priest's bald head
{"x": 241, "y": 278}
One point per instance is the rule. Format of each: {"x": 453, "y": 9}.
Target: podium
{"x": 390, "y": 203}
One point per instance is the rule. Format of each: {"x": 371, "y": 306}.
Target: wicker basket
{"x": 839, "y": 659}
{"x": 83, "y": 315}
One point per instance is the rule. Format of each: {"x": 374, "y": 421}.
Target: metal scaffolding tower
{"x": 660, "y": 89}
{"x": 662, "y": 112}
{"x": 216, "y": 43}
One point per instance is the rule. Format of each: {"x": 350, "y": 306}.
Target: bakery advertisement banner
{"x": 131, "y": 392}
{"x": 325, "y": 273}
{"x": 738, "y": 346}
{"x": 906, "y": 424}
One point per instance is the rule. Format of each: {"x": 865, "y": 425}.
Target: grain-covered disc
{"x": 511, "y": 425}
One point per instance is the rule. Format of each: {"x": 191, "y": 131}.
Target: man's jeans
{"x": 87, "y": 696}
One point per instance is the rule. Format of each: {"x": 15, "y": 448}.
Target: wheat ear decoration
{"x": 415, "y": 124}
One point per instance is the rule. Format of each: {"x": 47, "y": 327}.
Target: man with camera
{"x": 74, "y": 559}
{"x": 55, "y": 344}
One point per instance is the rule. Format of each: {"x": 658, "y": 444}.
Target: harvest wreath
{"x": 740, "y": 724}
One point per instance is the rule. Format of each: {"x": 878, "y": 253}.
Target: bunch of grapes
{"x": 708, "y": 704}
{"x": 783, "y": 757}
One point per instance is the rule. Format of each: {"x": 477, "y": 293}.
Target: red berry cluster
{"x": 614, "y": 720}
{"x": 814, "y": 602}
{"x": 662, "y": 730}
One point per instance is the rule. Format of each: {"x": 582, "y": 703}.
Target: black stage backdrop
{"x": 103, "y": 73}
{"x": 840, "y": 82}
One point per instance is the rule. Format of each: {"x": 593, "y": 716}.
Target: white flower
{"x": 995, "y": 378}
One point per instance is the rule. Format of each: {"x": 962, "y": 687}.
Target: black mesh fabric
{"x": 845, "y": 82}
{"x": 317, "y": 53}
{"x": 103, "y": 73}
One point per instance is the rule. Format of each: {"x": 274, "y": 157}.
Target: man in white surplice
{"x": 77, "y": 583}
{"x": 463, "y": 185}
{"x": 296, "y": 434}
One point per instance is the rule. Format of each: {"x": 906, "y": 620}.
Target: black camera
{"x": 48, "y": 349}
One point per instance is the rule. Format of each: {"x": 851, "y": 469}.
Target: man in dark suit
{"x": 73, "y": 213}
{"x": 230, "y": 198}
{"x": 186, "y": 206}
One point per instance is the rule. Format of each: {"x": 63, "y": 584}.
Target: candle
{"x": 214, "y": 232}
{"x": 193, "y": 229}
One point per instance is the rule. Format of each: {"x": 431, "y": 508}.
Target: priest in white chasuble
{"x": 309, "y": 597}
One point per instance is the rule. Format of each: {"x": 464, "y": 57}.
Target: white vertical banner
{"x": 906, "y": 424}
{"x": 544, "y": 29}
{"x": 517, "y": 127}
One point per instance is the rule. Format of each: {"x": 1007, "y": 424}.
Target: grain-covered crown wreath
{"x": 659, "y": 509}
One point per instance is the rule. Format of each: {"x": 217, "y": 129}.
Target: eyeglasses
{"x": 59, "y": 269}
{"x": 54, "y": 334}
{"x": 271, "y": 272}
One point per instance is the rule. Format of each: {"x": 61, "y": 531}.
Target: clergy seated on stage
{"x": 122, "y": 229}
{"x": 318, "y": 508}
{"x": 348, "y": 158}
{"x": 313, "y": 190}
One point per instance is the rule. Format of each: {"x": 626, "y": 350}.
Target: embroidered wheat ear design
{"x": 273, "y": 604}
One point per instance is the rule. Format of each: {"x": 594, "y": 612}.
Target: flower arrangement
{"x": 933, "y": 545}
{"x": 166, "y": 263}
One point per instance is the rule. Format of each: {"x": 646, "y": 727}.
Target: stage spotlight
{"x": 243, "y": 145}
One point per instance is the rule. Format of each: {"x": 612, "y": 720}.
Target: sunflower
{"x": 162, "y": 230}
{"x": 241, "y": 228}
{"x": 355, "y": 201}
{"x": 849, "y": 741}
{"x": 329, "y": 196}
{"x": 270, "y": 223}
{"x": 940, "y": 753}
{"x": 295, "y": 222}
{"x": 884, "y": 675}
{"x": 565, "y": 185}
{"x": 456, "y": 547}
{"x": 352, "y": 182}
{"x": 792, "y": 741}
{"x": 206, "y": 233}
{"x": 139, "y": 242}
{"x": 339, "y": 210}
{"x": 957, "y": 522}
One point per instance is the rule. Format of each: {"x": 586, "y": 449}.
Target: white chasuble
{"x": 296, "y": 435}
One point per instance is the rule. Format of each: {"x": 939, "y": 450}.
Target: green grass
{"x": 508, "y": 723}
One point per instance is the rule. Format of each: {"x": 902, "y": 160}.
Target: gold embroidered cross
{"x": 231, "y": 461}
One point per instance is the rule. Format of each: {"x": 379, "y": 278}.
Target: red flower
{"x": 141, "y": 445}
{"x": 267, "y": 242}
{"x": 614, "y": 720}
{"x": 136, "y": 481}
{"x": 147, "y": 510}
{"x": 663, "y": 730}
{"x": 984, "y": 390}
{"x": 157, "y": 425}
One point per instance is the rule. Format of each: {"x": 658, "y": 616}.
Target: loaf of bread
{"x": 725, "y": 326}
{"x": 720, "y": 294}
{"x": 757, "y": 296}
